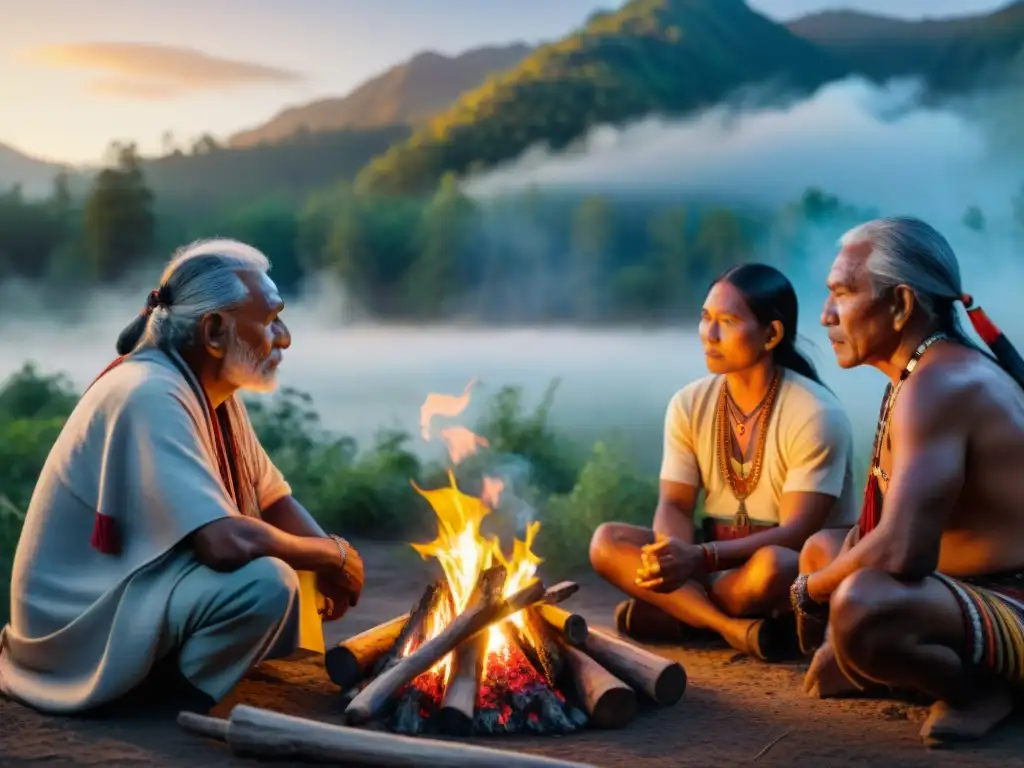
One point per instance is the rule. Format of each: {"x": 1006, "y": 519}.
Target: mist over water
{"x": 872, "y": 147}
{"x": 614, "y": 384}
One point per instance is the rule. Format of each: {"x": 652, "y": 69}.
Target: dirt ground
{"x": 732, "y": 711}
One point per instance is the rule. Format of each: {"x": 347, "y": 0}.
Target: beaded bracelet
{"x": 710, "y": 557}
{"x": 803, "y": 604}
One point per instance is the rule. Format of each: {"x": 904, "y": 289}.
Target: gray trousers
{"x": 221, "y": 625}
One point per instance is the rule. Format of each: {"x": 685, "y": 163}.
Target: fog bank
{"x": 872, "y": 147}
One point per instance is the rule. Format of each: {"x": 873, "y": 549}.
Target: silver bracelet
{"x": 342, "y": 547}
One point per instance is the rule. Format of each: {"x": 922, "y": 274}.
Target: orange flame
{"x": 444, "y": 406}
{"x": 462, "y": 443}
{"x": 459, "y": 547}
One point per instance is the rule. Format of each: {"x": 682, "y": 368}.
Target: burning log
{"x": 663, "y": 680}
{"x": 352, "y": 659}
{"x": 261, "y": 733}
{"x": 609, "y": 702}
{"x": 539, "y": 646}
{"x": 456, "y": 715}
{"x": 571, "y": 626}
{"x": 369, "y": 652}
{"x": 561, "y": 591}
{"x": 414, "y": 627}
{"x": 524, "y": 642}
{"x": 372, "y": 699}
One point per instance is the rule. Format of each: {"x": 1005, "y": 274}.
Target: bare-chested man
{"x": 770, "y": 448}
{"x": 927, "y": 594}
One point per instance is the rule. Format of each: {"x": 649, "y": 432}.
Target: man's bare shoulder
{"x": 957, "y": 387}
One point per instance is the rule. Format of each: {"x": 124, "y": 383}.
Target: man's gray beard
{"x": 243, "y": 369}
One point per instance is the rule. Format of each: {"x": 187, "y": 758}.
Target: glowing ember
{"x": 463, "y": 552}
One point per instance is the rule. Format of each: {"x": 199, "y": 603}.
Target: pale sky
{"x": 74, "y": 77}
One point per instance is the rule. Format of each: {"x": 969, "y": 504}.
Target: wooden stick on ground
{"x": 571, "y": 626}
{"x": 373, "y": 697}
{"x": 609, "y": 701}
{"x": 201, "y": 725}
{"x": 265, "y": 734}
{"x": 457, "y": 709}
{"x": 663, "y": 680}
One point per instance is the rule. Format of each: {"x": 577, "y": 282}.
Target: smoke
{"x": 879, "y": 148}
{"x": 873, "y": 147}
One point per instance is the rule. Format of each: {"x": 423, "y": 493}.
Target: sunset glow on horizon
{"x": 73, "y": 79}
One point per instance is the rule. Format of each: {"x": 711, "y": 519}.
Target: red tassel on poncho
{"x": 105, "y": 536}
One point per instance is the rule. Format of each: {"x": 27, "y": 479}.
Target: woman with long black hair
{"x": 770, "y": 449}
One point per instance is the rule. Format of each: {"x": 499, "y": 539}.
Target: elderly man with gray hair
{"x": 159, "y": 530}
{"x": 926, "y": 594}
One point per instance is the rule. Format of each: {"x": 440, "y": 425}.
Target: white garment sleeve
{"x": 679, "y": 456}
{"x": 817, "y": 453}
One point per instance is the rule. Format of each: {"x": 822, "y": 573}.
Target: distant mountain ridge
{"x": 651, "y": 56}
{"x": 949, "y": 53}
{"x": 33, "y": 175}
{"x": 408, "y": 93}
{"x": 434, "y": 114}
{"x": 227, "y": 176}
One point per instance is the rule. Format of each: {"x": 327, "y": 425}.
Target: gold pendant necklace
{"x": 739, "y": 418}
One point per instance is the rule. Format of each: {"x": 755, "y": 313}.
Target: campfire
{"x": 487, "y": 649}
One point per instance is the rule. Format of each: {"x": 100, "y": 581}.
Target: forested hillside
{"x": 664, "y": 56}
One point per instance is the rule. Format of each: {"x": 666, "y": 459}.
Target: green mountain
{"x": 668, "y": 57}
{"x": 294, "y": 167}
{"x": 652, "y": 56}
{"x": 407, "y": 93}
{"x": 214, "y": 175}
{"x": 950, "y": 54}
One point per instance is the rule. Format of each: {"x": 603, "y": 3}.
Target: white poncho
{"x": 140, "y": 449}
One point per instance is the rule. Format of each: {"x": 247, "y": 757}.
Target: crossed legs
{"x": 733, "y": 604}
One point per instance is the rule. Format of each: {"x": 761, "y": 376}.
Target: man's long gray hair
{"x": 200, "y": 278}
{"x": 908, "y": 251}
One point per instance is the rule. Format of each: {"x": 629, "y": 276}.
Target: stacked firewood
{"x": 601, "y": 673}
{"x": 377, "y": 669}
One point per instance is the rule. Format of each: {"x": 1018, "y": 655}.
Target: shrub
{"x": 368, "y": 492}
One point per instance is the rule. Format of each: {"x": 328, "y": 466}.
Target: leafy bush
{"x": 368, "y": 492}
{"x": 608, "y": 488}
